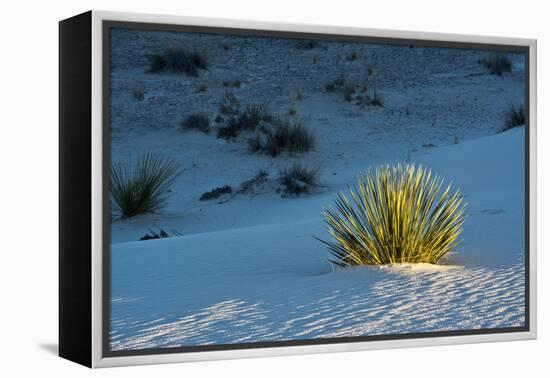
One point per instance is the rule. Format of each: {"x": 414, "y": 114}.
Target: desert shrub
{"x": 513, "y": 117}
{"x": 197, "y": 121}
{"x": 497, "y": 64}
{"x": 330, "y": 87}
{"x": 230, "y": 130}
{"x": 333, "y": 85}
{"x": 395, "y": 214}
{"x": 248, "y": 120}
{"x": 298, "y": 179}
{"x": 154, "y": 235}
{"x": 360, "y": 93}
{"x": 254, "y": 115}
{"x": 229, "y": 105}
{"x": 261, "y": 175}
{"x": 216, "y": 193}
{"x": 142, "y": 187}
{"x": 259, "y": 178}
{"x": 285, "y": 135}
{"x": 307, "y": 44}
{"x": 178, "y": 61}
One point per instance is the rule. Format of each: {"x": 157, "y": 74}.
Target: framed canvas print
{"x": 236, "y": 189}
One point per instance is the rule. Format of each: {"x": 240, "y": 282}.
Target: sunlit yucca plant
{"x": 143, "y": 186}
{"x": 395, "y": 214}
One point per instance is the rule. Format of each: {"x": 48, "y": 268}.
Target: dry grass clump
{"x": 178, "y": 61}
{"x": 229, "y": 105}
{"x": 497, "y": 64}
{"x": 230, "y": 130}
{"x": 197, "y": 121}
{"x": 307, "y": 44}
{"x": 333, "y": 85}
{"x": 248, "y": 120}
{"x": 298, "y": 179}
{"x": 514, "y": 117}
{"x": 254, "y": 114}
{"x": 282, "y": 135}
{"x": 395, "y": 214}
{"x": 249, "y": 186}
{"x": 361, "y": 92}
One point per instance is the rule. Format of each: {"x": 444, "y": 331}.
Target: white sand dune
{"x": 358, "y": 302}
{"x": 273, "y": 281}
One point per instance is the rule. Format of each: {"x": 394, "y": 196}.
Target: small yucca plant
{"x": 395, "y": 214}
{"x": 142, "y": 187}
{"x": 498, "y": 64}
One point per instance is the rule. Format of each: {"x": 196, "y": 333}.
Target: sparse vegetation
{"x": 229, "y": 105}
{"x": 298, "y": 179}
{"x": 358, "y": 92}
{"x": 248, "y": 120}
{"x": 142, "y": 187}
{"x": 283, "y": 135}
{"x": 307, "y": 44}
{"x": 216, "y": 193}
{"x": 497, "y": 64}
{"x": 249, "y": 185}
{"x": 230, "y": 130}
{"x": 178, "y": 61}
{"x": 197, "y": 121}
{"x": 334, "y": 85}
{"x": 395, "y": 214}
{"x": 514, "y": 117}
{"x": 155, "y": 235}
{"x": 254, "y": 115}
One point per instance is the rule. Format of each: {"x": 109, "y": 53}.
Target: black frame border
{"x": 107, "y": 25}
{"x": 75, "y": 189}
